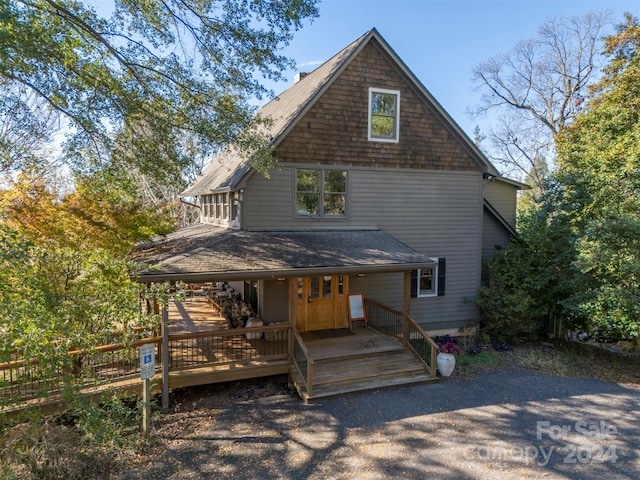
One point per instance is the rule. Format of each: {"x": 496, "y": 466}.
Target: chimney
{"x": 299, "y": 76}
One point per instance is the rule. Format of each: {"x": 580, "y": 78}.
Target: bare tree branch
{"x": 537, "y": 88}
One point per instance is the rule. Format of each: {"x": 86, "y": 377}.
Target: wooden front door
{"x": 321, "y": 303}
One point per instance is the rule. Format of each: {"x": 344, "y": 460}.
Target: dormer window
{"x": 384, "y": 115}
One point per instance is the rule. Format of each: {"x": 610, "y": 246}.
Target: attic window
{"x": 384, "y": 114}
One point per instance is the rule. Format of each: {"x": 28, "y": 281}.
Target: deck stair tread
{"x": 372, "y": 384}
{"x": 396, "y": 362}
{"x": 363, "y": 371}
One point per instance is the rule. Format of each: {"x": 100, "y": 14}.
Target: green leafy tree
{"x": 525, "y": 283}
{"x": 599, "y": 165}
{"x": 56, "y": 299}
{"x": 136, "y": 87}
{"x": 579, "y": 259}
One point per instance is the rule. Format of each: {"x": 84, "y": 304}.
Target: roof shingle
{"x": 207, "y": 251}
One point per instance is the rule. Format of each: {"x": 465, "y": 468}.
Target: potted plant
{"x": 446, "y": 358}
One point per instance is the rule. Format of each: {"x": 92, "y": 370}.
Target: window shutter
{"x": 442, "y": 263}
{"x": 414, "y": 283}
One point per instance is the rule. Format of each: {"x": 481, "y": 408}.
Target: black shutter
{"x": 414, "y": 283}
{"x": 442, "y": 267}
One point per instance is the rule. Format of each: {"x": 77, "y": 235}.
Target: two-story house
{"x": 376, "y": 191}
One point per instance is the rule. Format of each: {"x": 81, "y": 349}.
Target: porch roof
{"x": 209, "y": 253}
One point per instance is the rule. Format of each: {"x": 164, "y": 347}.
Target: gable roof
{"x": 210, "y": 253}
{"x": 228, "y": 169}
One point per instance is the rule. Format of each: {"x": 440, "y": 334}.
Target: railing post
{"x": 405, "y": 309}
{"x": 432, "y": 366}
{"x": 293, "y": 295}
{"x": 309, "y": 377}
{"x": 165, "y": 358}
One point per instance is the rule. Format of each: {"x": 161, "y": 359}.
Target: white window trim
{"x": 396, "y": 138}
{"x": 434, "y": 291}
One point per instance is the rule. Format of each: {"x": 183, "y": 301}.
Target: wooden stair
{"x": 359, "y": 372}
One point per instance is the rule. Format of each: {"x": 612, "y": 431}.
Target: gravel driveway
{"x": 508, "y": 423}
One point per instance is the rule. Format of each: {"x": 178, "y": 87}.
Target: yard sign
{"x": 147, "y": 361}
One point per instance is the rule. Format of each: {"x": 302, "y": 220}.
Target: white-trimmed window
{"x": 429, "y": 282}
{"x": 225, "y": 206}
{"x": 321, "y": 192}
{"x": 217, "y": 207}
{"x": 384, "y": 115}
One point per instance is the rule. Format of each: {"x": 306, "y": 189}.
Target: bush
{"x": 509, "y": 304}
{"x": 86, "y": 441}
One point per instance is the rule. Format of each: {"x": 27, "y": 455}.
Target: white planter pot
{"x": 254, "y": 322}
{"x": 445, "y": 362}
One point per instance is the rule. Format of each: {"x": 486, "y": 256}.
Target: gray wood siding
{"x": 437, "y": 213}
{"x": 274, "y": 301}
{"x": 502, "y": 196}
{"x": 268, "y": 203}
{"x": 493, "y": 234}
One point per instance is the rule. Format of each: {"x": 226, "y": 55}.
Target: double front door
{"x": 322, "y": 302}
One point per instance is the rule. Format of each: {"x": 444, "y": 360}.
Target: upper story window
{"x": 206, "y": 205}
{"x": 321, "y": 192}
{"x": 220, "y": 208}
{"x": 384, "y": 115}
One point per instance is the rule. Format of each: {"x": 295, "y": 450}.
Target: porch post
{"x": 293, "y": 294}
{"x": 405, "y": 308}
{"x": 165, "y": 358}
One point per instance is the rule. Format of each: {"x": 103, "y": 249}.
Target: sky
{"x": 441, "y": 41}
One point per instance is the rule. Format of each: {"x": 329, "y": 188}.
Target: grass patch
{"x": 580, "y": 360}
{"x": 469, "y": 364}
{"x": 561, "y": 359}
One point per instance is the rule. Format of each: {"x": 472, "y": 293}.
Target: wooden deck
{"x": 204, "y": 349}
{"x": 342, "y": 360}
{"x": 342, "y": 343}
{"x": 193, "y": 315}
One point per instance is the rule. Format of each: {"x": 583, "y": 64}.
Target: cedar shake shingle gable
{"x": 228, "y": 169}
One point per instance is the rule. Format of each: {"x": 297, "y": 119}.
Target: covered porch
{"x": 302, "y": 289}
{"x": 204, "y": 349}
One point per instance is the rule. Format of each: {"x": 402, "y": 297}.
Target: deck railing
{"x": 421, "y": 344}
{"x": 244, "y": 345}
{"x": 24, "y": 380}
{"x": 385, "y": 319}
{"x": 392, "y": 322}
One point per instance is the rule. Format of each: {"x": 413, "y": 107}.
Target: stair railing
{"x": 302, "y": 361}
{"x": 392, "y": 322}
